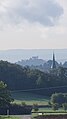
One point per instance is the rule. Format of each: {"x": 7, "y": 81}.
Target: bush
{"x": 35, "y": 107}
{"x": 23, "y": 103}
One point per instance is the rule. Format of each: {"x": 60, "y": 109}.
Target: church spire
{"x": 53, "y": 62}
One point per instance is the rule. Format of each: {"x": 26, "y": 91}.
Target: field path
{"x": 25, "y": 117}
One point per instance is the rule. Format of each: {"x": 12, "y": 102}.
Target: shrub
{"x": 35, "y": 107}
{"x": 23, "y": 103}
{"x": 64, "y": 105}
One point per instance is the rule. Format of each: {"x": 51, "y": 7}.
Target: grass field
{"x": 30, "y": 98}
{"x": 60, "y": 110}
{"x": 8, "y": 117}
{"x": 48, "y": 111}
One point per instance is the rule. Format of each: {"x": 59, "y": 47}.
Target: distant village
{"x": 42, "y": 65}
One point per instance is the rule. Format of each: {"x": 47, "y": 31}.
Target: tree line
{"x": 24, "y": 78}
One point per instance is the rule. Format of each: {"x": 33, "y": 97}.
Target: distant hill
{"x": 36, "y": 63}
{"x": 65, "y": 64}
{"x": 40, "y": 64}
{"x": 16, "y": 55}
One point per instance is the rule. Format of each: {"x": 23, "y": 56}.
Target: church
{"x": 53, "y": 66}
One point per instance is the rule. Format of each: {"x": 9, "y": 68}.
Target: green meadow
{"x": 9, "y": 117}
{"x": 30, "y": 98}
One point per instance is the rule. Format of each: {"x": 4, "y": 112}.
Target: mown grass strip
{"x": 8, "y": 117}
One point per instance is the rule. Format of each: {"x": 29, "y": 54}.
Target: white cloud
{"x": 26, "y": 24}
{"x": 45, "y": 12}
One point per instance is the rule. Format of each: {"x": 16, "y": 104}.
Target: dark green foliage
{"x": 18, "y": 78}
{"x": 49, "y": 103}
{"x": 23, "y": 103}
{"x": 5, "y": 96}
{"x": 55, "y": 106}
{"x": 64, "y": 106}
{"x": 59, "y": 100}
{"x": 15, "y": 109}
{"x": 35, "y": 107}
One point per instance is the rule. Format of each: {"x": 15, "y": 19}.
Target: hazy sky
{"x": 33, "y": 24}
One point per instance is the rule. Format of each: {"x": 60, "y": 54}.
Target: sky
{"x": 33, "y": 24}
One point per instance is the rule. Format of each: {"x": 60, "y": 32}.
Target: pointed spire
{"x": 53, "y": 62}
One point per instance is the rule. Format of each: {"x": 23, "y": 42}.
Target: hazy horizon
{"x": 15, "y": 55}
{"x": 33, "y": 24}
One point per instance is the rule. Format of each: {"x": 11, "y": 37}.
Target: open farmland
{"x": 29, "y": 98}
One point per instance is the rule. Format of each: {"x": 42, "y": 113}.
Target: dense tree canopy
{"x": 19, "y": 78}
{"x": 59, "y": 100}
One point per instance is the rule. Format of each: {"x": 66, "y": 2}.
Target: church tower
{"x": 53, "y": 62}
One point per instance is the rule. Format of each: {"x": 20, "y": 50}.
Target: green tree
{"x": 58, "y": 98}
{"x": 55, "y": 106}
{"x": 5, "y": 96}
{"x": 64, "y": 106}
{"x": 39, "y": 80}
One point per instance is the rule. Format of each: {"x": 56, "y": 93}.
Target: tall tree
{"x": 58, "y": 98}
{"x": 5, "y": 96}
